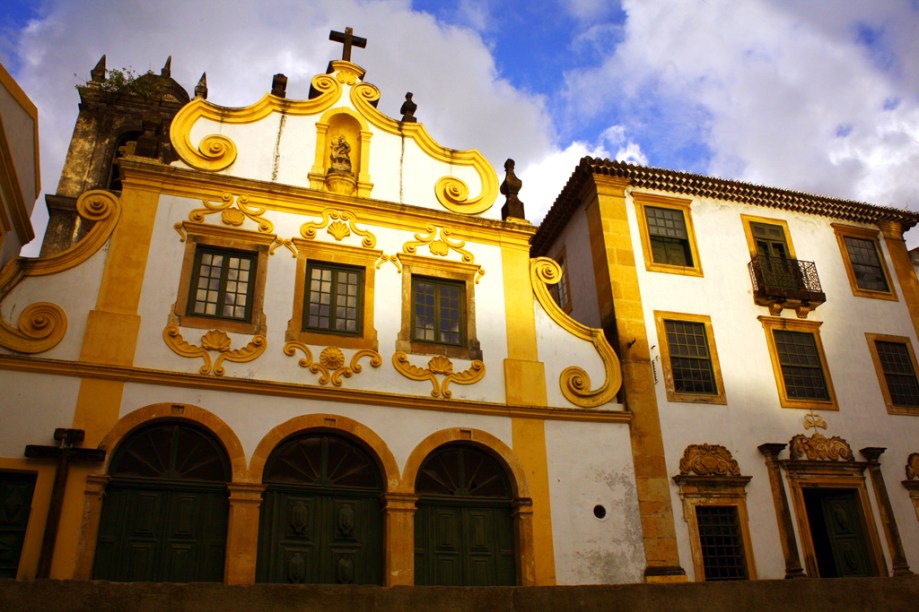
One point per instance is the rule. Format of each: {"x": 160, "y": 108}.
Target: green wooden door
{"x": 164, "y": 518}
{"x": 838, "y": 534}
{"x": 15, "y": 504}
{"x": 464, "y": 527}
{"x": 321, "y": 519}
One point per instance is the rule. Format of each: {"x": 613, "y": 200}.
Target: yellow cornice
{"x": 451, "y": 192}
{"x": 216, "y": 152}
{"x": 174, "y": 181}
{"x": 574, "y": 381}
{"x": 129, "y": 374}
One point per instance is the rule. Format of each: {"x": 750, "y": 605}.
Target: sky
{"x": 820, "y": 96}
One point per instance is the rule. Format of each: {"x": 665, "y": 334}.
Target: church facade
{"x": 299, "y": 342}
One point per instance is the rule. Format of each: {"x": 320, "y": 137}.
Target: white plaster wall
{"x": 74, "y": 290}
{"x": 575, "y": 240}
{"x": 162, "y": 279}
{"x": 753, "y": 414}
{"x": 590, "y": 464}
{"x": 251, "y": 417}
{"x": 34, "y": 405}
{"x": 255, "y": 145}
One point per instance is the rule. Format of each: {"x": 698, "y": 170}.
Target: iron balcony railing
{"x": 780, "y": 278}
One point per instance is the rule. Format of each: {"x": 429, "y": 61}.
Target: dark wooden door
{"x": 838, "y": 534}
{"x": 464, "y": 526}
{"x": 321, "y": 519}
{"x": 164, "y": 518}
{"x": 15, "y": 504}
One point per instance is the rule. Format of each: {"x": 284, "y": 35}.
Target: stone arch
{"x": 475, "y": 437}
{"x": 330, "y": 423}
{"x": 179, "y": 412}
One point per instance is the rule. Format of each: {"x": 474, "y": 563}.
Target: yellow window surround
{"x": 674, "y": 395}
{"x": 889, "y": 401}
{"x": 842, "y": 232}
{"x": 643, "y": 201}
{"x": 773, "y": 324}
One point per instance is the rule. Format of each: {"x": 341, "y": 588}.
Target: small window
{"x": 691, "y": 369}
{"x": 799, "y": 363}
{"x": 865, "y": 267}
{"x": 896, "y": 368}
{"x": 223, "y": 279}
{"x": 667, "y": 234}
{"x": 437, "y": 311}
{"x": 438, "y": 308}
{"x": 335, "y": 296}
{"x": 222, "y": 284}
{"x": 721, "y": 543}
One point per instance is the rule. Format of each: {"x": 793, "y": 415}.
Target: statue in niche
{"x": 340, "y": 156}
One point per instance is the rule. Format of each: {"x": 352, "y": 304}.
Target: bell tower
{"x": 118, "y": 116}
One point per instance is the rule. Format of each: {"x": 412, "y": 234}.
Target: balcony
{"x": 786, "y": 283}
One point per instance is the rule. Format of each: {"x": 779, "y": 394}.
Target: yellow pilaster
{"x": 110, "y": 339}
{"x": 399, "y": 527}
{"x": 525, "y": 383}
{"x": 620, "y": 302}
{"x": 242, "y": 532}
{"x": 903, "y": 267}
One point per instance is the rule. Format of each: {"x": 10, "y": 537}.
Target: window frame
{"x": 213, "y": 237}
{"x": 414, "y": 265}
{"x": 660, "y": 319}
{"x": 334, "y": 268}
{"x": 647, "y": 200}
{"x": 334, "y": 255}
{"x": 848, "y": 231}
{"x": 724, "y": 491}
{"x": 770, "y": 325}
{"x": 751, "y": 239}
{"x": 438, "y": 285}
{"x": 881, "y": 374}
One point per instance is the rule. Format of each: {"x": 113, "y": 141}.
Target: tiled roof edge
{"x": 661, "y": 179}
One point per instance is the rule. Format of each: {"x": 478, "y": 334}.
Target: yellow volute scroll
{"x": 451, "y": 192}
{"x": 439, "y": 365}
{"x": 41, "y": 326}
{"x": 574, "y": 381}
{"x": 217, "y": 152}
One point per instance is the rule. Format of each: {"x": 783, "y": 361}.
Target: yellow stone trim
{"x": 217, "y": 152}
{"x": 866, "y": 234}
{"x": 101, "y": 207}
{"x": 440, "y": 244}
{"x": 903, "y": 267}
{"x": 11, "y": 194}
{"x": 232, "y": 216}
{"x": 213, "y": 340}
{"x": 770, "y": 324}
{"x": 452, "y": 193}
{"x": 643, "y": 200}
{"x": 339, "y": 224}
{"x": 41, "y": 326}
{"x": 751, "y": 241}
{"x": 672, "y": 394}
{"x": 332, "y": 362}
{"x": 574, "y": 381}
{"x": 879, "y": 370}
{"x": 41, "y": 502}
{"x": 29, "y": 107}
{"x": 529, "y": 439}
{"x": 439, "y": 365}
{"x": 128, "y": 374}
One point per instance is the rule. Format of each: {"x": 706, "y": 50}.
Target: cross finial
{"x": 348, "y": 39}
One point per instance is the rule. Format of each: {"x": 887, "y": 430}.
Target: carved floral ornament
{"x": 41, "y": 326}
{"x": 332, "y": 363}
{"x": 708, "y": 460}
{"x": 215, "y": 340}
{"x": 818, "y": 447}
{"x": 574, "y": 381}
{"x": 439, "y": 243}
{"x": 912, "y": 466}
{"x": 439, "y": 365}
{"x": 339, "y": 224}
{"x": 234, "y": 210}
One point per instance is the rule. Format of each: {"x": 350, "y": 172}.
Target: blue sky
{"x": 816, "y": 95}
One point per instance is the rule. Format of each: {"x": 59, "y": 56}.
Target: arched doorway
{"x": 164, "y": 518}
{"x": 464, "y": 525}
{"x": 321, "y": 518}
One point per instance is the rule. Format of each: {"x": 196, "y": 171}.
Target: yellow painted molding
{"x": 339, "y": 223}
{"x": 438, "y": 365}
{"x": 574, "y": 381}
{"x": 452, "y": 193}
{"x": 214, "y": 340}
{"x": 332, "y": 362}
{"x": 232, "y": 216}
{"x": 101, "y": 207}
{"x": 216, "y": 152}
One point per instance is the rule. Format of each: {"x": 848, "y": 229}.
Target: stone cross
{"x": 63, "y": 455}
{"x": 348, "y": 39}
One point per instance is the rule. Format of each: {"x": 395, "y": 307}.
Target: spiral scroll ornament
{"x": 41, "y": 326}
